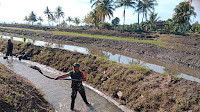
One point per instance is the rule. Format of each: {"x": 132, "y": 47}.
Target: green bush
{"x": 105, "y": 26}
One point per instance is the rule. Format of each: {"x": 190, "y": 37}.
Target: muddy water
{"x": 58, "y": 92}
{"x": 122, "y": 57}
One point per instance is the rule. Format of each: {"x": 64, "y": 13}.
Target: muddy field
{"x": 136, "y": 87}
{"x": 188, "y": 56}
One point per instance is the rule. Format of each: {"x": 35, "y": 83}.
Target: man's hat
{"x": 76, "y": 65}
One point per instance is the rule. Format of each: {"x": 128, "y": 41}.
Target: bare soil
{"x": 18, "y": 94}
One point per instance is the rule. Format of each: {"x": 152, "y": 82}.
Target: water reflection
{"x": 61, "y": 46}
{"x": 48, "y": 44}
{"x": 127, "y": 60}
{"x": 33, "y": 41}
{"x": 185, "y": 76}
{"x": 118, "y": 57}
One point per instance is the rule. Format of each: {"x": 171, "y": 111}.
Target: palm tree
{"x": 52, "y": 18}
{"x": 95, "y": 18}
{"x": 40, "y": 19}
{"x": 69, "y": 19}
{"x": 145, "y": 6}
{"x": 94, "y": 2}
{"x": 77, "y": 21}
{"x": 59, "y": 13}
{"x": 145, "y": 25}
{"x": 105, "y": 8}
{"x": 125, "y": 4}
{"x": 48, "y": 14}
{"x": 195, "y": 27}
{"x": 92, "y": 18}
{"x": 138, "y": 10}
{"x": 26, "y": 19}
{"x": 153, "y": 18}
{"x": 86, "y": 20}
{"x": 171, "y": 24}
{"x": 63, "y": 23}
{"x": 32, "y": 17}
{"x": 183, "y": 12}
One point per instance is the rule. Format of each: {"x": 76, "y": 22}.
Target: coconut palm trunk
{"x": 59, "y": 21}
{"x": 124, "y": 18}
{"x": 139, "y": 20}
{"x": 49, "y": 22}
{"x": 143, "y": 17}
{"x": 125, "y": 4}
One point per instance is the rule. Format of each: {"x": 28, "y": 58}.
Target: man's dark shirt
{"x": 9, "y": 47}
{"x": 76, "y": 75}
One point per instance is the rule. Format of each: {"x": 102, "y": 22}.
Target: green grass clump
{"x": 143, "y": 70}
{"x": 97, "y": 79}
{"x": 102, "y": 60}
{"x": 139, "y": 77}
{"x": 11, "y": 37}
{"x": 116, "y": 76}
{"x": 164, "y": 74}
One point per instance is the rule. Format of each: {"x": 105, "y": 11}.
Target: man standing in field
{"x": 77, "y": 86}
{"x": 9, "y": 48}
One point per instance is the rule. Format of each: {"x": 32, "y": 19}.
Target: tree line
{"x": 103, "y": 9}
{"x": 52, "y": 17}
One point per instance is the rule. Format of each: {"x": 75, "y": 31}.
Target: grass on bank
{"x": 128, "y": 39}
{"x": 118, "y": 38}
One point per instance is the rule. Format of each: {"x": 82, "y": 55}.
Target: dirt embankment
{"x": 183, "y": 57}
{"x": 79, "y": 30}
{"x": 134, "y": 86}
{"x": 18, "y": 94}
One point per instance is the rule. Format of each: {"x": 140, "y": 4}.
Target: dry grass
{"x": 18, "y": 94}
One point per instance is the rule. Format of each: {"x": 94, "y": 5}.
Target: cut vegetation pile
{"x": 136, "y": 87}
{"x": 18, "y": 94}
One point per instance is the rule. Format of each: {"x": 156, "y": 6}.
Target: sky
{"x": 16, "y": 10}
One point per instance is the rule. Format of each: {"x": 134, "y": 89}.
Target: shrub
{"x": 105, "y": 26}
